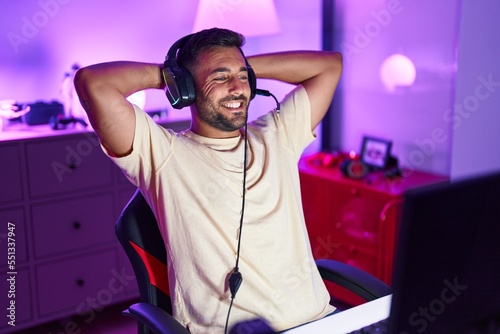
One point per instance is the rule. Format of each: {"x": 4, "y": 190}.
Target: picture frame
{"x": 375, "y": 152}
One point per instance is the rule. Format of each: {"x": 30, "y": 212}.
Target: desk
{"x": 348, "y": 320}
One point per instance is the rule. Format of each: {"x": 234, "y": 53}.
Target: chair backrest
{"x": 138, "y": 232}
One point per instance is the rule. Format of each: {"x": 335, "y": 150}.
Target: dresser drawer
{"x": 357, "y": 219}
{"x": 10, "y": 173}
{"x": 73, "y": 224}
{"x": 12, "y": 220}
{"x": 69, "y": 164}
{"x": 70, "y": 284}
{"x": 16, "y": 289}
{"x": 336, "y": 211}
{"x": 357, "y": 257}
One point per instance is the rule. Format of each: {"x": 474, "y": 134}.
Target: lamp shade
{"x": 396, "y": 71}
{"x": 248, "y": 17}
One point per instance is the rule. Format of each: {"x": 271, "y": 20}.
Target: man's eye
{"x": 243, "y": 77}
{"x": 220, "y": 78}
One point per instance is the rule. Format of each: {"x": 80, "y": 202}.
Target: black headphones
{"x": 179, "y": 83}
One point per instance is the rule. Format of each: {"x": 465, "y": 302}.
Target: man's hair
{"x": 207, "y": 39}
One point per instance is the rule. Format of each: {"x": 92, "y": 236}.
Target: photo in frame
{"x": 375, "y": 152}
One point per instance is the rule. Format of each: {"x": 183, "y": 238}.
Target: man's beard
{"x": 209, "y": 112}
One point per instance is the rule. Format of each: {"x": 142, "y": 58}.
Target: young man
{"x": 196, "y": 183}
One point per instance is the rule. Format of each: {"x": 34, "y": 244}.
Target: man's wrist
{"x": 161, "y": 77}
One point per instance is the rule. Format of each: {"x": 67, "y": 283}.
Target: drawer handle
{"x": 72, "y": 165}
{"x": 77, "y": 225}
{"x": 80, "y": 282}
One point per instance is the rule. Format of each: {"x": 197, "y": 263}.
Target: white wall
{"x": 476, "y": 126}
{"x": 412, "y": 118}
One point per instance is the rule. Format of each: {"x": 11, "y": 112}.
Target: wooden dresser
{"x": 355, "y": 221}
{"x": 60, "y": 197}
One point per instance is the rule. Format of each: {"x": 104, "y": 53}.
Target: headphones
{"x": 179, "y": 83}
{"x": 353, "y": 168}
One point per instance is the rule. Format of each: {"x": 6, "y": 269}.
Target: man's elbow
{"x": 88, "y": 87}
{"x": 333, "y": 67}
{"x": 82, "y": 79}
{"x": 336, "y": 61}
{"x": 88, "y": 84}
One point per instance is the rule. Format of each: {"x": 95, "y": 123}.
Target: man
{"x": 203, "y": 197}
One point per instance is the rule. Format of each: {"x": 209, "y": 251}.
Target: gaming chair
{"x": 138, "y": 233}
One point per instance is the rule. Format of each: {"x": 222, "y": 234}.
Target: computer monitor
{"x": 447, "y": 270}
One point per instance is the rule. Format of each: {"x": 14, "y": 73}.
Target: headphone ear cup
{"x": 179, "y": 85}
{"x": 252, "y": 81}
{"x": 354, "y": 169}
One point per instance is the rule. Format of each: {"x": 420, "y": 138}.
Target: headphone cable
{"x": 235, "y": 279}
{"x": 264, "y": 92}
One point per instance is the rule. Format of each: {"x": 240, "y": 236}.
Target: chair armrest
{"x": 358, "y": 281}
{"x": 156, "y": 319}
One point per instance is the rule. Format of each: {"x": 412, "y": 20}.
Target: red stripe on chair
{"x": 157, "y": 270}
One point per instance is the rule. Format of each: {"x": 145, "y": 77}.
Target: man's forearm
{"x": 317, "y": 71}
{"x": 121, "y": 77}
{"x": 102, "y": 90}
{"x": 293, "y": 67}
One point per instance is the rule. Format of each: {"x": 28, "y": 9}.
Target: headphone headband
{"x": 172, "y": 52}
{"x": 179, "y": 83}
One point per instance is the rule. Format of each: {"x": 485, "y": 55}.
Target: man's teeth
{"x": 232, "y": 105}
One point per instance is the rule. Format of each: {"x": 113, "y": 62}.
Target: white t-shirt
{"x": 194, "y": 186}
